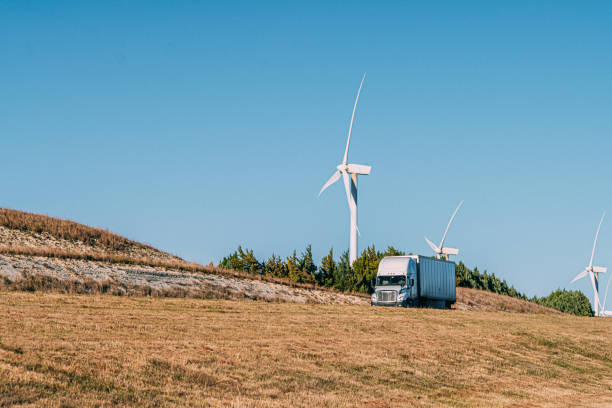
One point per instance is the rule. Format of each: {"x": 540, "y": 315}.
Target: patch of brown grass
{"x": 65, "y": 229}
{"x": 475, "y": 299}
{"x": 70, "y": 350}
{"x": 101, "y": 256}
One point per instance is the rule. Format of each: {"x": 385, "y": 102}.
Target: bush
{"x": 567, "y": 301}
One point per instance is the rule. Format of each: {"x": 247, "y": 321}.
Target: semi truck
{"x": 415, "y": 281}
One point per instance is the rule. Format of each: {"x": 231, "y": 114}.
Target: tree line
{"x": 332, "y": 273}
{"x": 473, "y": 278}
{"x": 360, "y": 277}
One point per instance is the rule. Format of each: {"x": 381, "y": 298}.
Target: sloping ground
{"x": 22, "y": 230}
{"x": 38, "y": 252}
{"x": 474, "y": 299}
{"x": 79, "y": 351}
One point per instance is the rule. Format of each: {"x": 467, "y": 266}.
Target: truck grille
{"x": 386, "y": 296}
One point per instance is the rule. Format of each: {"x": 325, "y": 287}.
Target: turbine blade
{"x": 348, "y": 141}
{"x": 432, "y": 245}
{"x": 331, "y": 181}
{"x": 606, "y": 295}
{"x": 595, "y": 242}
{"x": 580, "y": 275}
{"x": 449, "y": 223}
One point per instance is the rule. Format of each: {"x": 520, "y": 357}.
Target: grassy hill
{"x": 42, "y": 253}
{"x": 75, "y": 350}
{"x": 22, "y": 231}
{"x": 29, "y": 236}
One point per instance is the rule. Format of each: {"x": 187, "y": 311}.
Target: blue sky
{"x": 198, "y": 126}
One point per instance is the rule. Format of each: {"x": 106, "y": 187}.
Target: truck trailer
{"x": 415, "y": 281}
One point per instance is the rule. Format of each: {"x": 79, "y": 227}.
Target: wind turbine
{"x": 593, "y": 271}
{"x": 603, "y": 311}
{"x": 441, "y": 250}
{"x": 349, "y": 173}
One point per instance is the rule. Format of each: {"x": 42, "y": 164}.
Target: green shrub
{"x": 567, "y": 301}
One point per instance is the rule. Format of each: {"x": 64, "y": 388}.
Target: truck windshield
{"x": 391, "y": 280}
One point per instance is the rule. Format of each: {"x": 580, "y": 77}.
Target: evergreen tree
{"x": 364, "y": 270}
{"x": 293, "y": 267}
{"x": 342, "y": 273}
{"x": 325, "y": 277}
{"x": 308, "y": 269}
{"x": 230, "y": 261}
{"x": 275, "y": 267}
{"x": 248, "y": 263}
{"x": 391, "y": 251}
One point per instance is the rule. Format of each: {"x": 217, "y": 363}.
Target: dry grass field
{"x": 99, "y": 350}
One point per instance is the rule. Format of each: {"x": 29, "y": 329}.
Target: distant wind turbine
{"x": 594, "y": 271}
{"x": 441, "y": 250}
{"x": 603, "y": 311}
{"x": 349, "y": 173}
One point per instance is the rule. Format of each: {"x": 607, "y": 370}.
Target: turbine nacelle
{"x": 354, "y": 169}
{"x": 450, "y": 251}
{"x": 599, "y": 269}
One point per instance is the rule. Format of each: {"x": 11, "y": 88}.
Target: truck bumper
{"x": 393, "y": 304}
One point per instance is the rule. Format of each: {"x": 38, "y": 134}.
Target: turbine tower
{"x": 441, "y": 250}
{"x": 593, "y": 272}
{"x": 349, "y": 173}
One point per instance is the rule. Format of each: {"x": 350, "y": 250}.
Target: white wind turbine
{"x": 441, "y": 250}
{"x": 349, "y": 174}
{"x": 593, "y": 272}
{"x": 603, "y": 311}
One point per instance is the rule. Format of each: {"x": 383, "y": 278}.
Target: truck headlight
{"x": 374, "y": 297}
{"x": 402, "y": 294}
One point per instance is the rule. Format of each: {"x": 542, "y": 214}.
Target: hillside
{"x": 484, "y": 301}
{"x": 40, "y": 234}
{"x": 67, "y": 350}
{"x": 41, "y": 253}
